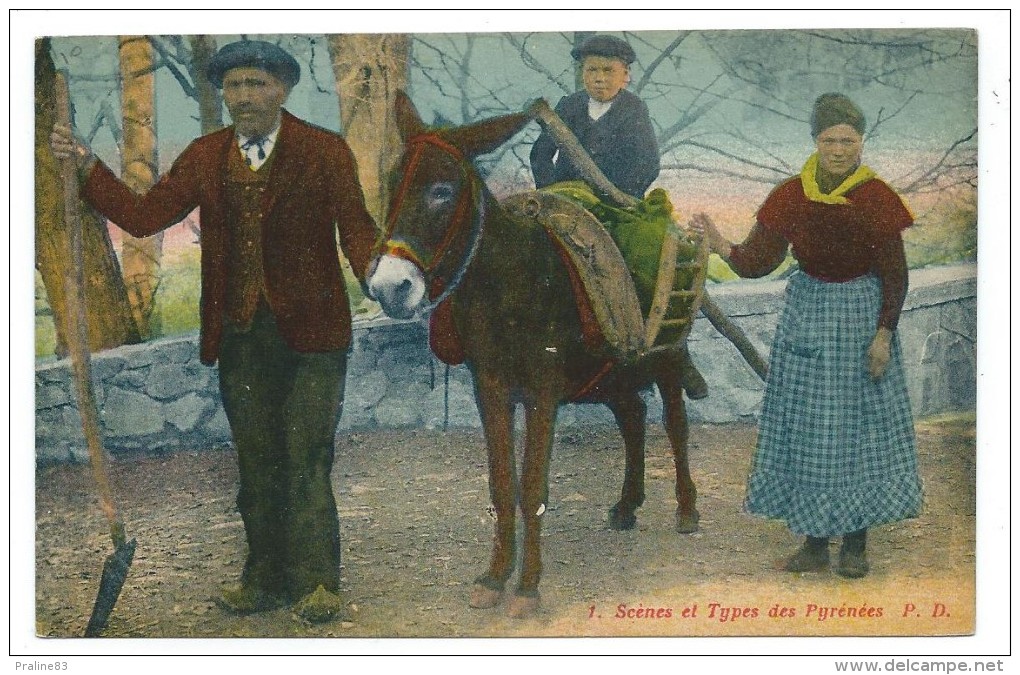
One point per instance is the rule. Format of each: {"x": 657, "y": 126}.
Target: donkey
{"x": 448, "y": 239}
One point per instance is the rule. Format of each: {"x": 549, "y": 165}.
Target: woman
{"x": 836, "y": 451}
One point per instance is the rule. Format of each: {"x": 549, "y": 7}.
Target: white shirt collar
{"x": 267, "y": 146}
{"x": 269, "y": 142}
{"x": 597, "y": 109}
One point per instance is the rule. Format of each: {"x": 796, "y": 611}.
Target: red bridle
{"x": 460, "y": 214}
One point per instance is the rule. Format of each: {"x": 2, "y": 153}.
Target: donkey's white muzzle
{"x": 398, "y": 286}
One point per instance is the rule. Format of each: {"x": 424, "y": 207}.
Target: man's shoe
{"x": 322, "y": 606}
{"x": 242, "y": 599}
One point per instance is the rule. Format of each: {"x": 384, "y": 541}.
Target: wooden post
{"x": 77, "y": 329}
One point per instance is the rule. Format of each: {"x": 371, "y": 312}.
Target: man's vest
{"x": 246, "y": 279}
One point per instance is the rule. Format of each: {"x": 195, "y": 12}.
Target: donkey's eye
{"x": 439, "y": 194}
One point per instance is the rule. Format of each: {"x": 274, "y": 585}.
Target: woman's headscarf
{"x": 832, "y": 109}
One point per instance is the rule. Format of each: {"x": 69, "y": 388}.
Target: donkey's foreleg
{"x": 674, "y": 413}
{"x": 540, "y": 420}
{"x": 497, "y": 421}
{"x": 630, "y": 412}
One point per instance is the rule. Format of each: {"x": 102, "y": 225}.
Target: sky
{"x": 766, "y": 125}
{"x": 994, "y": 92}
{"x": 741, "y": 119}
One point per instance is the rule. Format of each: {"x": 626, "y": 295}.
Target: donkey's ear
{"x": 483, "y": 137}
{"x": 408, "y": 120}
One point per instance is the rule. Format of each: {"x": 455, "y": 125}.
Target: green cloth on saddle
{"x": 639, "y": 232}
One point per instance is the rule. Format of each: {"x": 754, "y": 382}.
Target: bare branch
{"x": 928, "y": 177}
{"x": 168, "y": 60}
{"x": 666, "y": 53}
{"x": 881, "y": 118}
{"x": 716, "y": 171}
{"x": 460, "y": 73}
{"x": 693, "y": 113}
{"x": 313, "y": 66}
{"x": 105, "y": 116}
{"x": 782, "y": 171}
{"x": 531, "y": 62}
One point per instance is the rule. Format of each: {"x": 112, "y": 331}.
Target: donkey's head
{"x": 437, "y": 212}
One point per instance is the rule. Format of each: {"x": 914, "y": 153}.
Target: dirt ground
{"x": 415, "y": 533}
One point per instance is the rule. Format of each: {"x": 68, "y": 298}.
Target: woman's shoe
{"x": 853, "y": 559}
{"x": 852, "y": 564}
{"x": 813, "y": 556}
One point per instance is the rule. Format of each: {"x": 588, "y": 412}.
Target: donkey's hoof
{"x": 621, "y": 519}
{"x": 686, "y": 523}
{"x": 483, "y": 597}
{"x": 523, "y": 606}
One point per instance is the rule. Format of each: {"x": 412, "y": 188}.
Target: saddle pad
{"x": 595, "y": 257}
{"x": 665, "y": 265}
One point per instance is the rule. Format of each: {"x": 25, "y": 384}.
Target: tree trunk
{"x": 109, "y": 314}
{"x": 139, "y": 170}
{"x": 369, "y": 69}
{"x": 210, "y": 103}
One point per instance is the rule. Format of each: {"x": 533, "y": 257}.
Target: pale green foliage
{"x": 179, "y": 291}
{"x": 946, "y": 237}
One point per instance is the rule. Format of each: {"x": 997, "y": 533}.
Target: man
{"x": 611, "y": 123}
{"x": 273, "y": 192}
{"x": 615, "y": 129}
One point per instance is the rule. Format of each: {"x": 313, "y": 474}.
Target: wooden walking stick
{"x": 569, "y": 144}
{"x": 117, "y": 563}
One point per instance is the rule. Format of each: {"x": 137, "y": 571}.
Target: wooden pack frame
{"x": 634, "y": 337}
{"x": 607, "y": 280}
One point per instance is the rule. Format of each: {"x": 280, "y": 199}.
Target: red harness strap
{"x": 460, "y": 214}
{"x": 590, "y": 385}
{"x": 591, "y": 333}
{"x": 444, "y": 340}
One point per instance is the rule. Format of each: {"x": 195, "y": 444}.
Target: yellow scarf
{"x": 810, "y": 184}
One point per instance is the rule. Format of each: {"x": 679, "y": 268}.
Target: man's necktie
{"x": 252, "y": 144}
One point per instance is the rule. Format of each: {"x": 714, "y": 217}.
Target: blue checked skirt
{"x": 836, "y": 451}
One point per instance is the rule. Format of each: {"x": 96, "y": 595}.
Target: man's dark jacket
{"x": 622, "y": 143}
{"x": 313, "y": 192}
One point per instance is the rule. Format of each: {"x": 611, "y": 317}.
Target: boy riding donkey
{"x": 613, "y": 127}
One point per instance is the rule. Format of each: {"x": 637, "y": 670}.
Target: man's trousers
{"x": 283, "y": 407}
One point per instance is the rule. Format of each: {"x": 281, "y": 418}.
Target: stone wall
{"x": 157, "y": 397}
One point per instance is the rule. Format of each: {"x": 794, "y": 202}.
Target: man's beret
{"x": 254, "y": 54}
{"x": 604, "y": 45}
{"x": 832, "y": 109}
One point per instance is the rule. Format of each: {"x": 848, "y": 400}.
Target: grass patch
{"x": 180, "y": 290}
{"x": 45, "y": 331}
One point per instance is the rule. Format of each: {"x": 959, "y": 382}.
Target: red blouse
{"x": 833, "y": 242}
